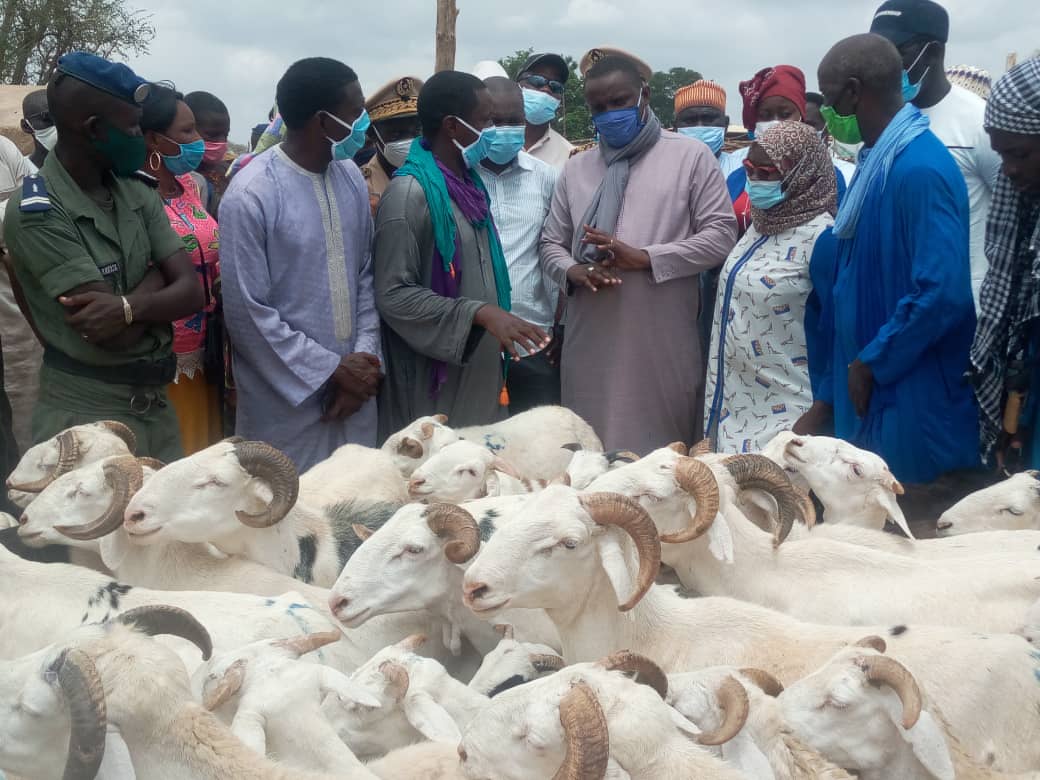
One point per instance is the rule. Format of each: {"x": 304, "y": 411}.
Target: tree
{"x": 663, "y": 87}
{"x": 35, "y": 33}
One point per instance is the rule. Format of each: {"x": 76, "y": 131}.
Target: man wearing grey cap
{"x": 919, "y": 29}
{"x": 543, "y": 78}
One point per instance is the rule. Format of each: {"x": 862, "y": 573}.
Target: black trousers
{"x": 8, "y": 446}
{"x": 533, "y": 382}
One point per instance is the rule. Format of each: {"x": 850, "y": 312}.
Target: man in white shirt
{"x": 521, "y": 188}
{"x": 920, "y": 29}
{"x": 542, "y": 78}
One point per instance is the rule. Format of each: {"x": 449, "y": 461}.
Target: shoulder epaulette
{"x": 145, "y": 178}
{"x": 34, "y": 195}
{"x": 583, "y": 148}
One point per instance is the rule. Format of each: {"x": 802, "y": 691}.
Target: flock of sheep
{"x": 489, "y": 603}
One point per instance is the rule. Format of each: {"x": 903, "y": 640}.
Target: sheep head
{"x": 413, "y": 445}
{"x": 1011, "y": 505}
{"x": 513, "y": 663}
{"x": 458, "y": 472}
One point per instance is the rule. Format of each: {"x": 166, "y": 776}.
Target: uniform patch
{"x": 34, "y": 195}
{"x": 110, "y": 269}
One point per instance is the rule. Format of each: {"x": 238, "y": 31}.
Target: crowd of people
{"x": 865, "y": 267}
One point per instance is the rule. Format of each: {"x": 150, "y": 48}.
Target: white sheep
{"x": 589, "y": 721}
{"x": 532, "y": 441}
{"x": 513, "y": 662}
{"x": 866, "y": 712}
{"x": 352, "y": 471}
{"x": 579, "y": 556}
{"x": 1011, "y": 505}
{"x": 1031, "y": 626}
{"x": 464, "y": 471}
{"x": 74, "y": 447}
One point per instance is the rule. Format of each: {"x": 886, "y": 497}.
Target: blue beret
{"x": 112, "y": 77}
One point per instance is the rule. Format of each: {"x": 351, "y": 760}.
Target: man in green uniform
{"x": 102, "y": 271}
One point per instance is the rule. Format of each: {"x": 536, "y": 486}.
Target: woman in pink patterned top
{"x": 175, "y": 149}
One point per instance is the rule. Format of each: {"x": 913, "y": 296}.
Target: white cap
{"x": 485, "y": 69}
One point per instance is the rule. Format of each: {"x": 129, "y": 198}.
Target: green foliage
{"x": 35, "y": 33}
{"x": 574, "y": 121}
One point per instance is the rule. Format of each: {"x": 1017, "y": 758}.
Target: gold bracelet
{"x": 128, "y": 313}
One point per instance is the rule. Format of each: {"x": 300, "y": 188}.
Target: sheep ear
{"x": 114, "y": 549}
{"x": 615, "y": 564}
{"x": 116, "y": 763}
{"x": 410, "y": 448}
{"x": 887, "y": 500}
{"x": 430, "y": 719}
{"x": 615, "y": 771}
{"x": 926, "y": 738}
{"x": 746, "y": 757}
{"x": 506, "y": 468}
{"x": 427, "y": 431}
{"x": 720, "y": 539}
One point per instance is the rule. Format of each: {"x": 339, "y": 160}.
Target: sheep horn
{"x": 68, "y": 458}
{"x": 808, "y": 508}
{"x": 697, "y": 479}
{"x": 441, "y": 418}
{"x": 625, "y": 513}
{"x": 733, "y": 701}
{"x": 504, "y": 630}
{"x": 642, "y": 668}
{"x": 411, "y": 643}
{"x": 543, "y": 662}
{"x": 124, "y": 477}
{"x": 759, "y": 472}
{"x": 873, "y": 642}
{"x": 625, "y": 456}
{"x": 764, "y": 680}
{"x": 585, "y": 728}
{"x": 155, "y": 619}
{"x": 362, "y": 532}
{"x": 308, "y": 643}
{"x": 703, "y": 447}
{"x": 678, "y": 446}
{"x": 229, "y": 685}
{"x": 274, "y": 467}
{"x": 410, "y": 448}
{"x": 85, "y": 696}
{"x": 153, "y": 463}
{"x": 573, "y": 446}
{"x": 396, "y": 678}
{"x": 233, "y": 440}
{"x": 882, "y": 670}
{"x": 123, "y": 432}
{"x": 457, "y": 526}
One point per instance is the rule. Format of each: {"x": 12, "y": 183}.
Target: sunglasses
{"x": 541, "y": 82}
{"x": 759, "y": 171}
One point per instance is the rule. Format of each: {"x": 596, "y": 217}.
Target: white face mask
{"x": 47, "y": 137}
{"x": 396, "y": 152}
{"x": 761, "y": 127}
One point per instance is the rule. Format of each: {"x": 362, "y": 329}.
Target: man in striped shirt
{"x": 521, "y": 189}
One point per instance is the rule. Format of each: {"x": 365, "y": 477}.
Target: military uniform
{"x": 396, "y": 99}
{"x": 60, "y": 239}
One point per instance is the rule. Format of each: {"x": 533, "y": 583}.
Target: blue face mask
{"x": 353, "y": 141}
{"x": 911, "y": 91}
{"x": 188, "y": 159}
{"x": 765, "y": 194}
{"x": 539, "y": 108}
{"x": 712, "y": 136}
{"x": 478, "y": 150}
{"x": 618, "y": 128}
{"x": 504, "y": 143}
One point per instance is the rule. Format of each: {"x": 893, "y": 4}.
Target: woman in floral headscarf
{"x": 763, "y": 335}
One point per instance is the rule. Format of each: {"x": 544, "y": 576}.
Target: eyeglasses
{"x": 759, "y": 171}
{"x": 541, "y": 82}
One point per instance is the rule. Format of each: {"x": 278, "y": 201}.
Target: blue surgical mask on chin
{"x": 618, "y": 128}
{"x": 476, "y": 151}
{"x": 505, "y": 143}
{"x": 539, "y": 108}
{"x": 765, "y": 194}
{"x": 712, "y": 136}
{"x": 910, "y": 90}
{"x": 354, "y": 140}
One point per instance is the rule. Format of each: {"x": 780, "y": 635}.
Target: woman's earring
{"x": 154, "y": 161}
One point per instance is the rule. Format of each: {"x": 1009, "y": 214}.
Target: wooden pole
{"x": 447, "y": 13}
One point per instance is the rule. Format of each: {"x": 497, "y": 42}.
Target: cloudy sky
{"x": 238, "y": 49}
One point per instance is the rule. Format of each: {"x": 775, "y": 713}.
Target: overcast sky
{"x": 238, "y": 49}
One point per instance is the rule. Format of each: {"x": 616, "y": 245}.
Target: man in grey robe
{"x": 441, "y": 282}
{"x": 296, "y": 271}
{"x": 632, "y": 224}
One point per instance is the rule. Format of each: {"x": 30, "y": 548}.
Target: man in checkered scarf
{"x": 1006, "y": 352}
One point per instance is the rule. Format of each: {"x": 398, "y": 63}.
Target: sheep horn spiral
{"x": 874, "y": 642}
{"x": 229, "y": 685}
{"x": 397, "y": 679}
{"x": 457, "y": 526}
{"x": 153, "y": 463}
{"x": 612, "y": 509}
{"x": 68, "y": 459}
{"x": 770, "y": 685}
{"x": 696, "y": 478}
{"x": 759, "y": 472}
{"x": 124, "y": 477}
{"x": 155, "y": 619}
{"x": 543, "y": 662}
{"x": 733, "y": 701}
{"x": 585, "y": 728}
{"x": 308, "y": 643}
{"x": 643, "y": 669}
{"x": 85, "y": 696}
{"x": 882, "y": 670}
{"x": 264, "y": 462}
{"x": 123, "y": 432}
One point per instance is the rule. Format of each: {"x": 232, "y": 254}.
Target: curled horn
{"x": 697, "y": 479}
{"x": 585, "y": 729}
{"x": 396, "y": 679}
{"x": 703, "y": 447}
{"x": 733, "y": 701}
{"x": 808, "y": 508}
{"x": 411, "y": 643}
{"x": 362, "y": 532}
{"x": 441, "y": 418}
{"x": 85, "y": 696}
{"x": 274, "y": 467}
{"x": 233, "y": 440}
{"x": 624, "y": 456}
{"x": 644, "y": 670}
{"x": 612, "y": 509}
{"x": 228, "y": 686}
{"x": 68, "y": 459}
{"x": 882, "y": 670}
{"x": 764, "y": 680}
{"x": 308, "y": 643}
{"x": 873, "y": 642}
{"x": 153, "y": 463}
{"x": 155, "y": 619}
{"x": 678, "y": 446}
{"x": 124, "y": 477}
{"x": 759, "y": 472}
{"x": 542, "y": 662}
{"x": 458, "y": 528}
{"x": 123, "y": 432}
